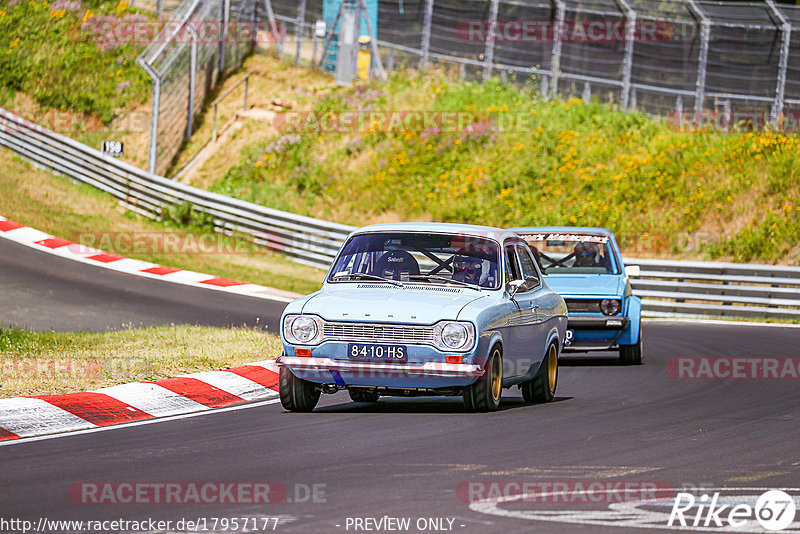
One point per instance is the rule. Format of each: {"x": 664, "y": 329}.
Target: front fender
{"x": 633, "y": 311}
{"x": 486, "y": 341}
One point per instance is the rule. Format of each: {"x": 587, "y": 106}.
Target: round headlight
{"x": 609, "y": 306}
{"x": 454, "y": 335}
{"x": 304, "y": 329}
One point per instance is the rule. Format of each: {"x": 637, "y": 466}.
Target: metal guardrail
{"x": 678, "y": 288}
{"x": 304, "y": 239}
{"x": 668, "y": 288}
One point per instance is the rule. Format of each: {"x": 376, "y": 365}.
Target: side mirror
{"x": 632, "y": 270}
{"x": 513, "y": 286}
{"x": 531, "y": 282}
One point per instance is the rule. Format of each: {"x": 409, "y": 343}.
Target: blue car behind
{"x": 585, "y": 266}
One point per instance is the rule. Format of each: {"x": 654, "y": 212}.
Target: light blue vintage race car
{"x": 425, "y": 309}
{"x": 585, "y": 266}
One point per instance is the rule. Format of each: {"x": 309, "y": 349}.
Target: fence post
{"x": 558, "y": 37}
{"x": 702, "y": 60}
{"x": 192, "y": 80}
{"x": 783, "y": 63}
{"x": 225, "y": 7}
{"x": 488, "y": 53}
{"x": 274, "y": 26}
{"x": 298, "y": 29}
{"x": 627, "y": 62}
{"x": 159, "y": 8}
{"x": 151, "y": 157}
{"x": 425, "y": 46}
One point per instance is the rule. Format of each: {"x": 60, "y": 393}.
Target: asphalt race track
{"x": 43, "y": 292}
{"x": 407, "y": 458}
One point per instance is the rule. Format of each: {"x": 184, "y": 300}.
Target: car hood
{"x": 586, "y": 284}
{"x": 420, "y": 305}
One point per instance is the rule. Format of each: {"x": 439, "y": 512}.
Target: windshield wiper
{"x": 444, "y": 280}
{"x": 367, "y": 275}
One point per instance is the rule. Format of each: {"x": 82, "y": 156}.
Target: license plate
{"x": 570, "y": 334}
{"x": 370, "y": 351}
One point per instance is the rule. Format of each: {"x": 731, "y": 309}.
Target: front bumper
{"x": 356, "y": 373}
{"x": 595, "y": 332}
{"x": 614, "y": 322}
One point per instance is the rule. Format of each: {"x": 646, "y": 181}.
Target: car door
{"x": 535, "y": 301}
{"x": 511, "y": 342}
{"x": 517, "y": 356}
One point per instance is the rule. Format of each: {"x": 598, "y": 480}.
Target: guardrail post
{"x": 298, "y": 29}
{"x": 558, "y": 38}
{"x": 783, "y": 63}
{"x": 425, "y": 45}
{"x": 488, "y": 53}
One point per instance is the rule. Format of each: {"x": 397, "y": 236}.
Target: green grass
{"x": 520, "y": 160}
{"x": 56, "y": 53}
{"x": 86, "y": 215}
{"x": 40, "y": 363}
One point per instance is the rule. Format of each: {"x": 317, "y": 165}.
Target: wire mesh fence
{"x": 697, "y": 59}
{"x": 694, "y": 60}
{"x": 201, "y": 41}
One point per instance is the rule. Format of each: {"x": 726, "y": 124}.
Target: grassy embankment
{"x": 70, "y": 65}
{"x": 519, "y": 160}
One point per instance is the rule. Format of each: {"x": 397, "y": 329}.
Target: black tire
{"x": 359, "y": 395}
{"x": 484, "y": 394}
{"x": 297, "y": 395}
{"x": 632, "y": 354}
{"x": 542, "y": 387}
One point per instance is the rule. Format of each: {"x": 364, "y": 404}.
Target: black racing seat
{"x": 395, "y": 263}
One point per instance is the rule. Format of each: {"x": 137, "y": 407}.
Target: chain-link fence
{"x": 201, "y": 42}
{"x": 695, "y": 58}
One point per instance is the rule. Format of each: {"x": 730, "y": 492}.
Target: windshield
{"x": 420, "y": 258}
{"x": 572, "y": 253}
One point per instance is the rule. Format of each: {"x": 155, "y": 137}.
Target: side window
{"x": 512, "y": 267}
{"x": 528, "y": 268}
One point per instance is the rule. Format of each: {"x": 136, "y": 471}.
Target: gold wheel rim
{"x": 497, "y": 378}
{"x": 552, "y": 367}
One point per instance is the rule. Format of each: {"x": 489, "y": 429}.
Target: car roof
{"x": 498, "y": 234}
{"x": 583, "y": 229}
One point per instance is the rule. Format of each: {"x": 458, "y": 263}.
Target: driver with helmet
{"x": 587, "y": 255}
{"x": 467, "y": 269}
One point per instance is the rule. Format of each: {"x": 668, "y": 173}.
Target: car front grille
{"x": 378, "y": 332}
{"x": 583, "y": 305}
